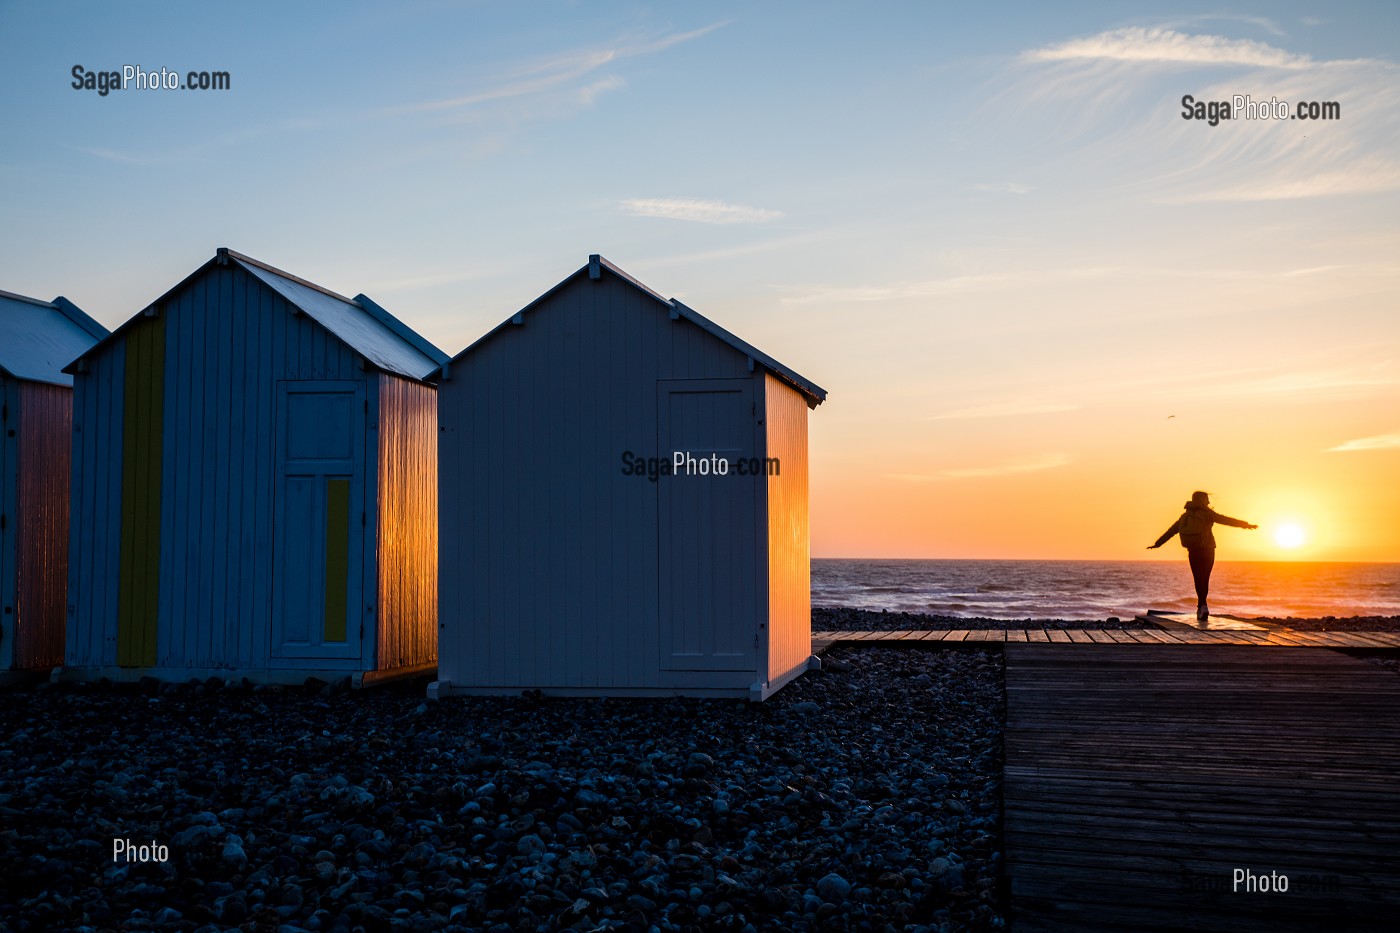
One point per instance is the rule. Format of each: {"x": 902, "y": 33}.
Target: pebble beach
{"x": 863, "y": 797}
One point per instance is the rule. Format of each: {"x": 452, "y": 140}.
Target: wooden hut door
{"x": 708, "y": 527}
{"x": 318, "y": 517}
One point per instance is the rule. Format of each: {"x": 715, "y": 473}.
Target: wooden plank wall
{"x": 143, "y": 422}
{"x": 9, "y": 532}
{"x": 1138, "y": 779}
{"x": 789, "y": 530}
{"x": 408, "y": 523}
{"x": 549, "y": 569}
{"x": 94, "y": 541}
{"x": 45, "y": 434}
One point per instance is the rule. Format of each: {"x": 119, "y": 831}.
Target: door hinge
{"x": 362, "y": 519}
{"x": 2, "y": 522}
{"x": 5, "y": 412}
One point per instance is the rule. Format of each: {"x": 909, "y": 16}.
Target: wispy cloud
{"x": 1113, "y": 98}
{"x": 895, "y": 291}
{"x": 947, "y": 285}
{"x": 1261, "y": 22}
{"x": 543, "y": 85}
{"x": 698, "y": 211}
{"x": 1006, "y": 409}
{"x": 559, "y": 72}
{"x": 1371, "y": 177}
{"x": 587, "y": 95}
{"x": 1004, "y": 187}
{"x": 737, "y": 250}
{"x": 203, "y": 149}
{"x": 1313, "y": 382}
{"x": 545, "y": 77}
{"x": 1005, "y": 468}
{"x": 1376, "y": 442}
{"x": 136, "y": 158}
{"x": 1167, "y": 46}
{"x": 1343, "y": 380}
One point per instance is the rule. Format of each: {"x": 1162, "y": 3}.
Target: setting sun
{"x": 1289, "y": 535}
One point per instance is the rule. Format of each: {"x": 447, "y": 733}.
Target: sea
{"x": 1097, "y": 589}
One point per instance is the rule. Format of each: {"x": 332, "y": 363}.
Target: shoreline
{"x": 1102, "y": 560}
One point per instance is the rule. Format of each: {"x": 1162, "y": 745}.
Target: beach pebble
{"x": 833, "y": 888}
{"x": 234, "y": 854}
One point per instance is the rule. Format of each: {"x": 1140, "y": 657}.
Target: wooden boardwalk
{"x": 1138, "y": 781}
{"x": 1176, "y": 634}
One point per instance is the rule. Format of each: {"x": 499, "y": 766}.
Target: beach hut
{"x": 36, "y": 413}
{"x": 254, "y": 487}
{"x": 591, "y": 542}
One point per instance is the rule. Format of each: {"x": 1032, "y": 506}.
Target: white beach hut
{"x": 590, "y": 541}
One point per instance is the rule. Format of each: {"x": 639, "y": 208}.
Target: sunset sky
{"x": 1046, "y": 306}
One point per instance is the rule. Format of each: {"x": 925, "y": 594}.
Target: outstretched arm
{"x": 1166, "y": 535}
{"x": 1227, "y": 520}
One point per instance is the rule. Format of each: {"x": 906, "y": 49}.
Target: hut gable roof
{"x": 374, "y": 333}
{"x": 358, "y": 322}
{"x": 38, "y": 338}
{"x": 597, "y": 266}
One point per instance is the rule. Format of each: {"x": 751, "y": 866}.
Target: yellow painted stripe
{"x": 142, "y": 435}
{"x": 337, "y": 557}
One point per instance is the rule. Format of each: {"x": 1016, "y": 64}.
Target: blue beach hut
{"x": 577, "y": 556}
{"x": 254, "y": 487}
{"x": 37, "y": 338}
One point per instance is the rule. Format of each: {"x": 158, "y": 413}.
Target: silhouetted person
{"x": 1194, "y": 528}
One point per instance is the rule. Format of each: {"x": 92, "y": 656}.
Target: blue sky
{"x": 988, "y": 232}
